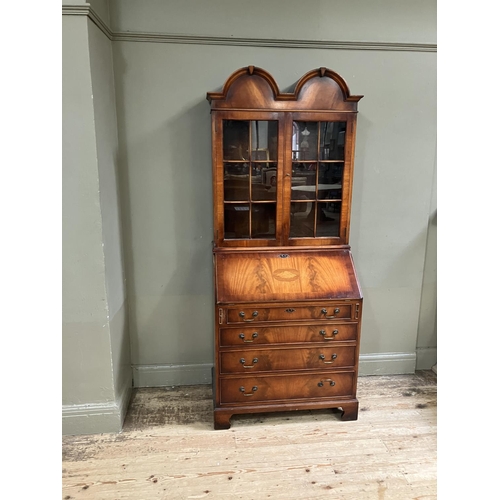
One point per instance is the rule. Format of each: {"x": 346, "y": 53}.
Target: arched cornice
{"x": 328, "y": 73}
{"x": 340, "y": 88}
{"x": 248, "y": 70}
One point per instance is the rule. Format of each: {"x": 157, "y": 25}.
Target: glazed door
{"x": 318, "y": 178}
{"x": 282, "y": 178}
{"x": 248, "y": 178}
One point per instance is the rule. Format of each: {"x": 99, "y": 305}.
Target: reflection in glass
{"x": 305, "y": 141}
{"x": 328, "y": 219}
{"x": 330, "y": 181}
{"x": 264, "y": 140}
{"x": 331, "y": 173}
{"x": 264, "y": 220}
{"x": 236, "y": 220}
{"x": 236, "y": 182}
{"x": 302, "y": 219}
{"x": 332, "y": 139}
{"x": 235, "y": 134}
{"x": 303, "y": 181}
{"x": 263, "y": 181}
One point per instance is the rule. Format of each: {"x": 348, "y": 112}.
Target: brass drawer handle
{"x": 335, "y": 332}
{"x": 254, "y": 361}
{"x": 242, "y": 389}
{"x": 335, "y": 312}
{"x": 332, "y": 382}
{"x": 254, "y": 336}
{"x": 322, "y": 357}
{"x": 254, "y": 314}
{"x": 290, "y": 310}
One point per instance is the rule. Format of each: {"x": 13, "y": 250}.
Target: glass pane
{"x": 263, "y": 181}
{"x": 264, "y": 140}
{"x": 305, "y": 141}
{"x": 330, "y": 181}
{"x": 332, "y": 138}
{"x": 304, "y": 181}
{"x": 236, "y": 134}
{"x": 236, "y": 220}
{"x": 264, "y": 220}
{"x": 236, "y": 182}
{"x": 328, "y": 222}
{"x": 302, "y": 219}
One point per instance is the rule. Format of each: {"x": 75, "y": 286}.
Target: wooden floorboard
{"x": 169, "y": 450}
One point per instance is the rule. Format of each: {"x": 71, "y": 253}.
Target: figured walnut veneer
{"x": 288, "y": 304}
{"x": 259, "y": 276}
{"x": 287, "y": 334}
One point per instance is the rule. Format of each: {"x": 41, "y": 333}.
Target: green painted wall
{"x": 137, "y": 199}
{"x": 164, "y": 126}
{"x": 96, "y": 345}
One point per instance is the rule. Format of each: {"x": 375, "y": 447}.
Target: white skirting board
{"x": 96, "y": 418}
{"x": 387, "y": 363}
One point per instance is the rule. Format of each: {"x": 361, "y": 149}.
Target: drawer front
{"x": 246, "y": 314}
{"x": 253, "y": 360}
{"x": 323, "y": 333}
{"x": 275, "y": 388}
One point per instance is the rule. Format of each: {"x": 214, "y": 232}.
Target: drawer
{"x": 251, "y": 314}
{"x": 323, "y": 333}
{"x": 290, "y": 387}
{"x": 261, "y": 360}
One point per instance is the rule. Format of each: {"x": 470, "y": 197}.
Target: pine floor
{"x": 169, "y": 450}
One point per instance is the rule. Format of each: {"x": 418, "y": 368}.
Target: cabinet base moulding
{"x": 349, "y": 409}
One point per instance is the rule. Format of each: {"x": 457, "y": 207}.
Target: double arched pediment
{"x": 254, "y": 88}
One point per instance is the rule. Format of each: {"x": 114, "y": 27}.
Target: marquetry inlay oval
{"x": 286, "y": 274}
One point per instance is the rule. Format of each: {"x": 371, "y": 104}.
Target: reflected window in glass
{"x": 305, "y": 141}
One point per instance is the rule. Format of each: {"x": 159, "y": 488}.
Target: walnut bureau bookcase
{"x": 287, "y": 300}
